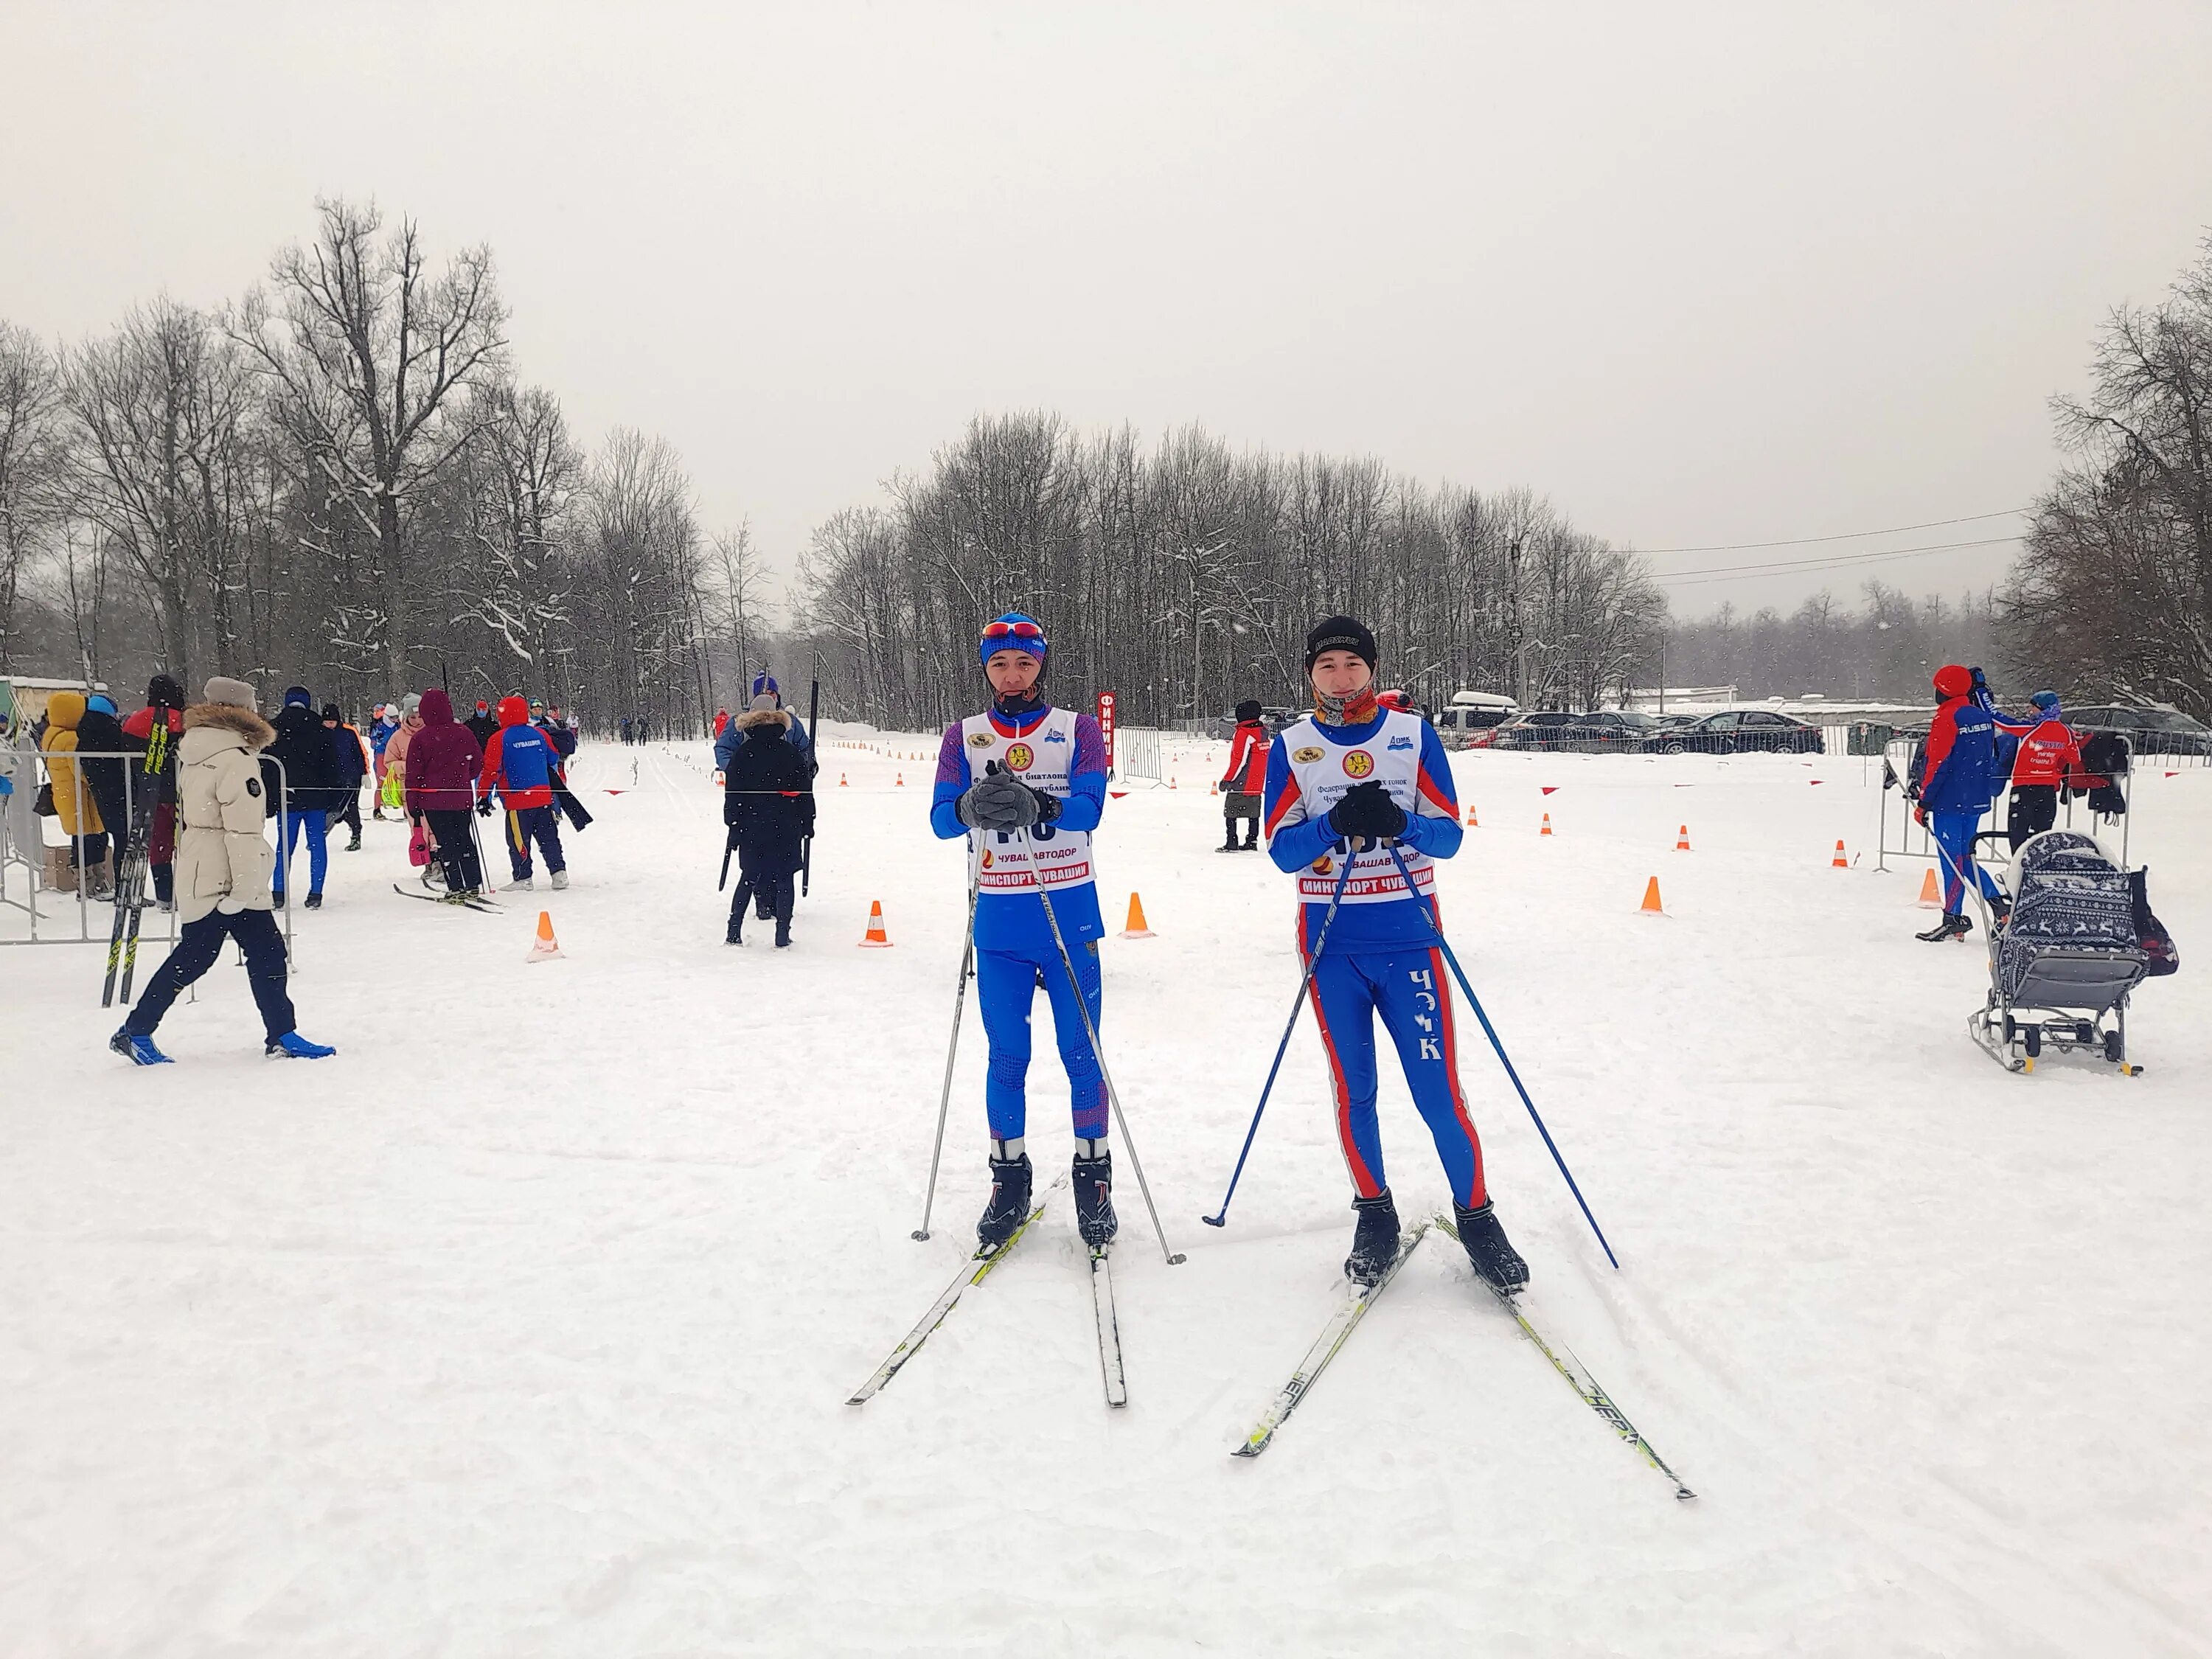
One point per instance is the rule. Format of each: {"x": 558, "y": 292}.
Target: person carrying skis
{"x": 1345, "y": 782}
{"x": 1958, "y": 776}
{"x": 1026, "y": 783}
{"x": 1246, "y": 779}
{"x": 519, "y": 767}
{"x": 223, "y": 867}
{"x": 165, "y": 704}
{"x": 2049, "y": 755}
{"x": 767, "y": 802}
{"x": 442, "y": 762}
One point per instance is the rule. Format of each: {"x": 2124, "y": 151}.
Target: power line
{"x": 1847, "y": 536}
{"x": 1779, "y": 567}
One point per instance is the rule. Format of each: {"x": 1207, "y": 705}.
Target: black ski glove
{"x": 999, "y": 802}
{"x": 483, "y": 807}
{"x": 1047, "y": 805}
{"x": 1367, "y": 810}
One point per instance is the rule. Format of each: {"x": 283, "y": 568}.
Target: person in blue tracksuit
{"x": 1960, "y": 774}
{"x": 1026, "y": 783}
{"x": 1353, "y": 779}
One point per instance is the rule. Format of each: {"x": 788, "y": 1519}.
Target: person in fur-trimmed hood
{"x": 768, "y": 804}
{"x": 223, "y": 864}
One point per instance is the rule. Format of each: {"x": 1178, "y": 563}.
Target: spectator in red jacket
{"x": 442, "y": 762}
{"x": 2049, "y": 755}
{"x": 1246, "y": 777}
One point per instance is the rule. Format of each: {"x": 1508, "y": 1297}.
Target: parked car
{"x": 1738, "y": 731}
{"x": 1612, "y": 731}
{"x": 1471, "y": 717}
{"x": 1547, "y": 729}
{"x": 2150, "y": 731}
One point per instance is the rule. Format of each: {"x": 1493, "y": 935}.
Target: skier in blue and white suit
{"x": 1024, "y": 776}
{"x": 1353, "y": 779}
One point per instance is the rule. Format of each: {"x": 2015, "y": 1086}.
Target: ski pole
{"x": 1289, "y": 1025}
{"x": 1090, "y": 1031}
{"x": 1504, "y": 1059}
{"x": 959, "y": 1005}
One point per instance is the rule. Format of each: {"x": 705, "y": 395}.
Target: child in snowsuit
{"x": 223, "y": 868}
{"x": 1349, "y": 781}
{"x": 1026, "y": 782}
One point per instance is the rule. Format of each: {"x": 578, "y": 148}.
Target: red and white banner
{"x": 1106, "y": 727}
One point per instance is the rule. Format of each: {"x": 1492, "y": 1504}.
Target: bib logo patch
{"x": 1305, "y": 756}
{"x": 1021, "y": 758}
{"x": 1324, "y": 865}
{"x": 982, "y": 740}
{"x": 1358, "y": 763}
{"x": 988, "y": 860}
{"x": 1400, "y": 743}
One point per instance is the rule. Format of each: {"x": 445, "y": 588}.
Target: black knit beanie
{"x": 1247, "y": 711}
{"x": 164, "y": 692}
{"x": 1340, "y": 633}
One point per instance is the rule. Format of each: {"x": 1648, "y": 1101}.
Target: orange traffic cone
{"x": 1839, "y": 862}
{"x": 1471, "y": 823}
{"x": 1931, "y": 895}
{"x": 842, "y": 784}
{"x": 1136, "y": 928}
{"x": 1682, "y": 839}
{"x": 899, "y": 782}
{"x": 1546, "y": 830}
{"x": 876, "y": 939}
{"x": 1651, "y": 907}
{"x": 543, "y": 949}
{"x": 1171, "y": 783}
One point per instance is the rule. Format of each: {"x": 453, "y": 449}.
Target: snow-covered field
{"x": 525, "y": 1325}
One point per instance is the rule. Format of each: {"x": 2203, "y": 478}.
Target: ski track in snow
{"x": 524, "y": 1324}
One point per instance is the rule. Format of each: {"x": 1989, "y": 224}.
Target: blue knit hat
{"x": 1011, "y": 632}
{"x": 764, "y": 685}
{"x": 300, "y": 694}
{"x": 2046, "y": 700}
{"x": 100, "y": 704}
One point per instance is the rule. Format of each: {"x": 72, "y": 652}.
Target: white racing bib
{"x": 1042, "y": 759}
{"x": 1324, "y": 771}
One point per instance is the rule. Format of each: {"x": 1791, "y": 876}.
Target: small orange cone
{"x": 543, "y": 949}
{"x": 1931, "y": 896}
{"x": 1136, "y": 928}
{"x": 1546, "y": 830}
{"x": 842, "y": 784}
{"x": 1682, "y": 839}
{"x": 1471, "y": 823}
{"x": 876, "y": 939}
{"x": 900, "y": 783}
{"x": 1651, "y": 907}
{"x": 1839, "y": 862}
{"x": 1171, "y": 783}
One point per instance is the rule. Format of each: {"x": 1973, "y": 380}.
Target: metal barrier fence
{"x": 1913, "y": 841}
{"x": 1137, "y": 752}
{"x": 33, "y": 858}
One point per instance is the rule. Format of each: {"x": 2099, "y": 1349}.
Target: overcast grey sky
{"x": 1701, "y": 274}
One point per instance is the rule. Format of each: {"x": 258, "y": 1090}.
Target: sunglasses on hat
{"x": 1017, "y": 630}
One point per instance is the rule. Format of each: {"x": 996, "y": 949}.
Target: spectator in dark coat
{"x": 99, "y": 732}
{"x": 349, "y": 766}
{"x": 482, "y": 725}
{"x": 768, "y": 804}
{"x": 308, "y": 784}
{"x": 443, "y": 760}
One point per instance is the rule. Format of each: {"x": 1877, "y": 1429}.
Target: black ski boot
{"x": 736, "y": 932}
{"x": 2000, "y": 910}
{"x": 1374, "y": 1241}
{"x": 1230, "y": 845}
{"x": 786, "y": 896}
{"x": 1953, "y": 925}
{"x": 1094, "y": 1199}
{"x": 314, "y": 900}
{"x": 1485, "y": 1242}
{"x": 1009, "y": 1202}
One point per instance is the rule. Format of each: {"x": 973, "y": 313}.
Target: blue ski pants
{"x": 541, "y": 824}
{"x": 1407, "y": 986}
{"x": 1006, "y": 987}
{"x": 1955, "y": 833}
{"x": 316, "y": 824}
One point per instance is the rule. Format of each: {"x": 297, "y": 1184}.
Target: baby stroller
{"x": 2063, "y": 962}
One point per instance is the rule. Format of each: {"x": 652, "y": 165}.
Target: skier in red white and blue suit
{"x": 522, "y": 764}
{"x": 1024, "y": 775}
{"x": 1344, "y": 781}
{"x": 1960, "y": 774}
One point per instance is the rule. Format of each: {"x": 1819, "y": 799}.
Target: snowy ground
{"x": 524, "y": 1326}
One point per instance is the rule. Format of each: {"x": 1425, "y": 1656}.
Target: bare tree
{"x": 31, "y": 456}
{"x": 370, "y": 356}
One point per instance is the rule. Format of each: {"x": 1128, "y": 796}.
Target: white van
{"x": 1472, "y": 712}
